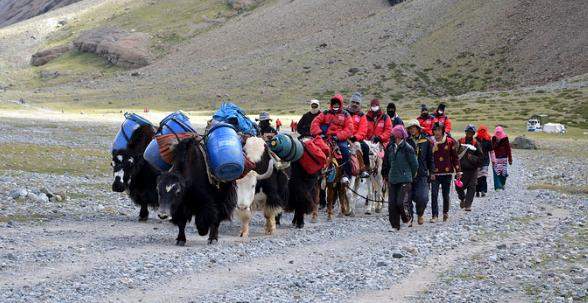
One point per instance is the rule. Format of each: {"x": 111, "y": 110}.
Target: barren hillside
{"x": 13, "y": 11}
{"x": 282, "y": 52}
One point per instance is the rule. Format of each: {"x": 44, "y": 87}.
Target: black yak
{"x": 185, "y": 191}
{"x": 133, "y": 174}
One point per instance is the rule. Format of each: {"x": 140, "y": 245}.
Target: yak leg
{"x": 331, "y": 196}
{"x": 144, "y": 212}
{"x": 270, "y": 219}
{"x": 245, "y": 216}
{"x": 315, "y": 204}
{"x": 181, "y": 239}
{"x": 298, "y": 218}
{"x": 213, "y": 234}
{"x": 278, "y": 218}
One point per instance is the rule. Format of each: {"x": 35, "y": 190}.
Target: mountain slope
{"x": 13, "y": 11}
{"x": 287, "y": 51}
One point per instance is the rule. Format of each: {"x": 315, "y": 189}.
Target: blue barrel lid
{"x": 180, "y": 119}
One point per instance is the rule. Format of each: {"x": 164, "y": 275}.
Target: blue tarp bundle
{"x": 234, "y": 115}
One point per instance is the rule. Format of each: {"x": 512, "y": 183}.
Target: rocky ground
{"x": 519, "y": 245}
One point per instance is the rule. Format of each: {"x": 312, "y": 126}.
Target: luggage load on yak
{"x": 235, "y": 116}
{"x": 173, "y": 128}
{"x": 225, "y": 152}
{"x": 129, "y": 126}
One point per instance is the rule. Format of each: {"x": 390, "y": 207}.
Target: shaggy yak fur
{"x": 185, "y": 191}
{"x": 133, "y": 174}
{"x": 303, "y": 193}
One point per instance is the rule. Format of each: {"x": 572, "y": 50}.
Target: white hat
{"x": 315, "y": 101}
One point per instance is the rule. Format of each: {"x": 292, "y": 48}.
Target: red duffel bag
{"x": 314, "y": 157}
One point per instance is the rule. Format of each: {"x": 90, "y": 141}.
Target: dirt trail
{"x": 418, "y": 280}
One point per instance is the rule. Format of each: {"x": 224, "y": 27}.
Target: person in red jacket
{"x": 336, "y": 123}
{"x": 360, "y": 128}
{"x": 379, "y": 124}
{"x": 278, "y": 124}
{"x": 441, "y": 117}
{"x": 426, "y": 120}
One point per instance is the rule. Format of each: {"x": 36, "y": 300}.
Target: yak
{"x": 187, "y": 190}
{"x": 133, "y": 174}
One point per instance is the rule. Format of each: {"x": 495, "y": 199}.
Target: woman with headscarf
{"x": 485, "y": 141}
{"x": 501, "y": 157}
{"x": 399, "y": 168}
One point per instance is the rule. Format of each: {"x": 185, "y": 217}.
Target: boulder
{"x": 522, "y": 142}
{"x": 121, "y": 48}
{"x": 44, "y": 56}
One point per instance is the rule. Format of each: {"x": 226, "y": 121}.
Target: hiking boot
{"x": 477, "y": 194}
{"x": 461, "y": 203}
{"x": 468, "y": 209}
{"x": 421, "y": 220}
{"x": 433, "y": 220}
{"x": 483, "y": 194}
{"x": 445, "y": 217}
{"x": 345, "y": 180}
{"x": 364, "y": 175}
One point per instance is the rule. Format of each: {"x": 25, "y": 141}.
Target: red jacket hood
{"x": 339, "y": 100}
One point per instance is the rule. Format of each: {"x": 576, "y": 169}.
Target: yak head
{"x": 124, "y": 167}
{"x": 170, "y": 190}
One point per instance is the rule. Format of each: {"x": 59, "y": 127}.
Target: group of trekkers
{"x": 420, "y": 154}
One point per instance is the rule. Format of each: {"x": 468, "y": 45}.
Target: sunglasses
{"x": 314, "y": 105}
{"x": 355, "y": 103}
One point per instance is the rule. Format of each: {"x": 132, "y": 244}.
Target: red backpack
{"x": 315, "y": 155}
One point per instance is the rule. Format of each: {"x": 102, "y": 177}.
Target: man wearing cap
{"x": 265, "y": 127}
{"x": 446, "y": 162}
{"x": 426, "y": 120}
{"x": 359, "y": 128}
{"x": 336, "y": 124}
{"x": 306, "y": 119}
{"x": 391, "y": 111}
{"x": 470, "y": 160}
{"x": 423, "y": 148}
{"x": 442, "y": 118}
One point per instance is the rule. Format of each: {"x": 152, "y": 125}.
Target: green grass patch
{"x": 576, "y": 190}
{"x": 54, "y": 159}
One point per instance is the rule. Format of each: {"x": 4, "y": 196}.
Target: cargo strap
{"x": 211, "y": 178}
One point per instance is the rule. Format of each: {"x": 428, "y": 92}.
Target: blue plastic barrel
{"x": 175, "y": 123}
{"x": 225, "y": 152}
{"x": 153, "y": 157}
{"x": 129, "y": 126}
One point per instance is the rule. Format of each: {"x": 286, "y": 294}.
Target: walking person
{"x": 306, "y": 119}
{"x": 278, "y": 124}
{"x": 446, "y": 163}
{"x": 399, "y": 169}
{"x": 485, "y": 140}
{"x": 470, "y": 159}
{"x": 420, "y": 185}
{"x": 501, "y": 157}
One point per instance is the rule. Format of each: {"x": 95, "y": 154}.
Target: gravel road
{"x": 516, "y": 246}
